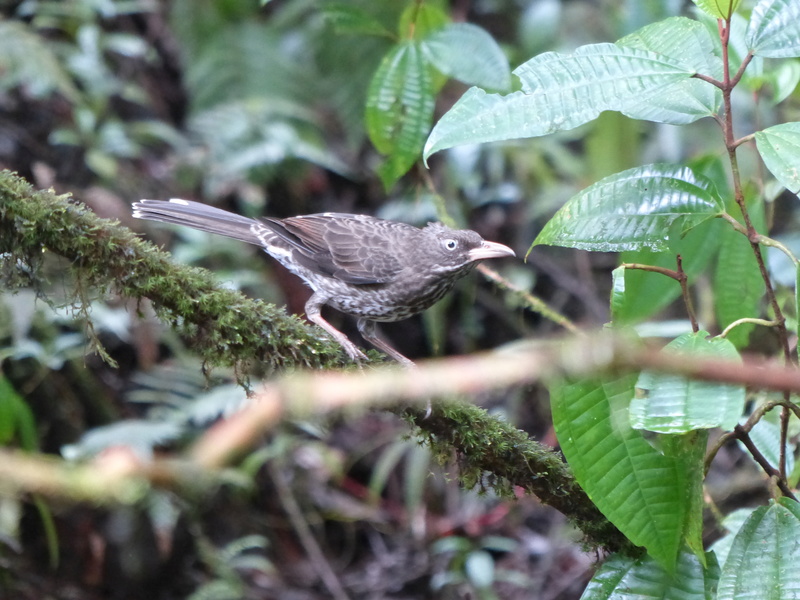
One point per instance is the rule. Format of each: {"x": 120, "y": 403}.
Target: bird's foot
{"x": 356, "y": 355}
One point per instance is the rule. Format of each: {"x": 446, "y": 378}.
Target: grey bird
{"x": 374, "y": 269}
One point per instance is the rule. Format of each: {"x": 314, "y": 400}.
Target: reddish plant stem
{"x": 728, "y": 84}
{"x": 671, "y": 273}
{"x": 678, "y": 275}
{"x": 687, "y": 299}
{"x": 744, "y": 437}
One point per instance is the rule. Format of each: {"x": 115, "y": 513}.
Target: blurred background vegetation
{"x": 260, "y": 108}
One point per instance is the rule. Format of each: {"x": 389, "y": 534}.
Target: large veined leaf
{"x": 774, "y": 29}
{"x": 779, "y": 146}
{"x": 559, "y": 92}
{"x": 668, "y": 403}
{"x": 686, "y": 100}
{"x": 468, "y": 53}
{"x": 647, "y": 293}
{"x": 637, "y": 488}
{"x": 689, "y": 450}
{"x": 762, "y": 562}
{"x": 624, "y": 578}
{"x": 400, "y": 109}
{"x": 732, "y": 523}
{"x": 639, "y": 208}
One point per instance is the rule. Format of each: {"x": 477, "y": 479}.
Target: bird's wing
{"x": 353, "y": 248}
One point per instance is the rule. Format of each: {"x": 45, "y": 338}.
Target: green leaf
{"x": 419, "y": 19}
{"x": 634, "y": 209}
{"x": 673, "y": 404}
{"x": 617, "y": 292}
{"x": 231, "y": 65}
{"x": 738, "y": 285}
{"x": 252, "y": 135}
{"x": 612, "y": 130}
{"x": 784, "y": 79}
{"x": 348, "y": 18}
{"x": 559, "y": 92}
{"x": 9, "y": 400}
{"x": 26, "y": 60}
{"x": 686, "y": 100}
{"x": 648, "y": 293}
{"x": 417, "y": 476}
{"x": 779, "y": 147}
{"x": 623, "y": 578}
{"x": 637, "y": 488}
{"x": 400, "y": 109}
{"x": 781, "y": 78}
{"x": 774, "y": 29}
{"x": 468, "y": 53}
{"x": 689, "y": 451}
{"x": 732, "y": 523}
{"x": 762, "y": 562}
{"x": 479, "y": 568}
{"x": 451, "y": 543}
{"x": 138, "y": 434}
{"x": 719, "y": 9}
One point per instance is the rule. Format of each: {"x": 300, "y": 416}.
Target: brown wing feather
{"x": 353, "y": 248}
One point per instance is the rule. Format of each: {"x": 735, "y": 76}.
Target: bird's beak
{"x": 490, "y": 250}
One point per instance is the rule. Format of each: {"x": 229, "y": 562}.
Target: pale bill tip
{"x": 490, "y": 250}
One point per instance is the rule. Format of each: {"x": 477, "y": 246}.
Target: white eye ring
{"x": 450, "y": 244}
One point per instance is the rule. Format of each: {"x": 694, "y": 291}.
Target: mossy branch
{"x": 223, "y": 326}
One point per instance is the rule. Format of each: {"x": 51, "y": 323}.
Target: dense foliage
{"x": 646, "y": 152}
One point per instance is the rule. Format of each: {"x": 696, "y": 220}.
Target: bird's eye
{"x": 450, "y": 244}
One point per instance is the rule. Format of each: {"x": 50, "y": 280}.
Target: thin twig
{"x": 744, "y": 321}
{"x": 671, "y": 273}
{"x": 687, "y": 299}
{"x": 773, "y": 243}
{"x": 745, "y": 61}
{"x": 743, "y": 140}
{"x": 708, "y": 79}
{"x": 535, "y": 304}
{"x": 744, "y": 437}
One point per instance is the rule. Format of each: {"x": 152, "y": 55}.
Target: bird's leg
{"x": 368, "y": 331}
{"x": 313, "y": 307}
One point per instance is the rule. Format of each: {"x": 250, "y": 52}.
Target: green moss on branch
{"x": 223, "y": 326}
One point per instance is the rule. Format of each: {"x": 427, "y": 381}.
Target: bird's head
{"x": 456, "y": 249}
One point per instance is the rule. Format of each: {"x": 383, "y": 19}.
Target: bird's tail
{"x": 198, "y": 216}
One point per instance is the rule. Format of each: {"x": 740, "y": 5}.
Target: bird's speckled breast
{"x": 393, "y": 302}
